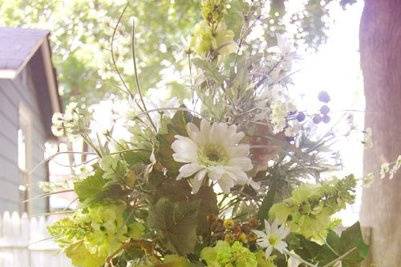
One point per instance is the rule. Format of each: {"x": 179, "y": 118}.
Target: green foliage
{"x": 176, "y": 261}
{"x": 91, "y": 234}
{"x": 168, "y": 261}
{"x": 207, "y": 206}
{"x": 89, "y": 188}
{"x": 308, "y": 210}
{"x": 278, "y": 190}
{"x": 176, "y": 224}
{"x": 349, "y": 246}
{"x": 80, "y": 256}
{"x": 113, "y": 168}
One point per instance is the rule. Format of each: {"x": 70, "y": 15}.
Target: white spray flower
{"x": 272, "y": 238}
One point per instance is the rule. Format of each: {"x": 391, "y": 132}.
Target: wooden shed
{"x": 28, "y": 99}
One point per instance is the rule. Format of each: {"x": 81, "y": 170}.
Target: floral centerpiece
{"x": 230, "y": 177}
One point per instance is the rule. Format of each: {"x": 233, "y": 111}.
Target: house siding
{"x": 12, "y": 94}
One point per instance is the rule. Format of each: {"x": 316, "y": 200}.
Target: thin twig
{"x": 163, "y": 109}
{"x": 128, "y": 91}
{"x": 136, "y": 76}
{"x": 55, "y": 155}
{"x": 340, "y": 258}
{"x": 47, "y": 194}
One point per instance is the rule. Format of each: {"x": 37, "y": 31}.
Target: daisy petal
{"x": 225, "y": 183}
{"x": 193, "y": 131}
{"x": 196, "y": 183}
{"x": 215, "y": 173}
{"x": 243, "y": 162}
{"x": 188, "y": 170}
{"x": 268, "y": 251}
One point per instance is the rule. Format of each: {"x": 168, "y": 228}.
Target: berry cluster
{"x": 231, "y": 231}
{"x": 322, "y": 116}
{"x": 324, "y": 110}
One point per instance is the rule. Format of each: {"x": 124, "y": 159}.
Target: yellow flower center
{"x": 212, "y": 155}
{"x": 273, "y": 239}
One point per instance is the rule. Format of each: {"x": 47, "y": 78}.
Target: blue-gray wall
{"x": 12, "y": 93}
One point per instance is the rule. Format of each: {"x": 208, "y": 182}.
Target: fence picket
{"x": 24, "y": 242}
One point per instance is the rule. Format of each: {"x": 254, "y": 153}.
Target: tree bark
{"x": 380, "y": 47}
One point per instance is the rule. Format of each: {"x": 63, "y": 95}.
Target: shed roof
{"x": 18, "y": 47}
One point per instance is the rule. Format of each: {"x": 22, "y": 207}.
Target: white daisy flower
{"x": 213, "y": 150}
{"x": 272, "y": 238}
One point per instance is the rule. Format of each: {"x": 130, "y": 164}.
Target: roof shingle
{"x": 17, "y": 46}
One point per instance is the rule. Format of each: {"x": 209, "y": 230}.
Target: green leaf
{"x": 163, "y": 186}
{"x": 176, "y": 223}
{"x": 88, "y": 188}
{"x": 210, "y": 70}
{"x": 163, "y": 154}
{"x": 352, "y": 238}
{"x": 134, "y": 157}
{"x": 65, "y": 231}
{"x": 208, "y": 206}
{"x": 81, "y": 257}
{"x": 278, "y": 190}
{"x": 349, "y": 246}
{"x": 175, "y": 261}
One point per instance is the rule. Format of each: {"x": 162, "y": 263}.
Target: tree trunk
{"x": 380, "y": 47}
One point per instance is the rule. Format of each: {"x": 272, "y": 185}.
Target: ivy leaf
{"x": 88, "y": 188}
{"x": 208, "y": 206}
{"x": 349, "y": 246}
{"x": 176, "y": 224}
{"x": 352, "y": 238}
{"x": 179, "y": 122}
{"x": 163, "y": 186}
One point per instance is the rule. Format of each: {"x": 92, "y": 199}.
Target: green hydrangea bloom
{"x": 224, "y": 254}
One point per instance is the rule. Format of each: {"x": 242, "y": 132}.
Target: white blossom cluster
{"x": 74, "y": 121}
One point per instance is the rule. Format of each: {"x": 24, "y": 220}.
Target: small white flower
{"x": 213, "y": 151}
{"x": 272, "y": 238}
{"x": 57, "y": 130}
{"x": 57, "y": 118}
{"x": 293, "y": 261}
{"x": 292, "y": 129}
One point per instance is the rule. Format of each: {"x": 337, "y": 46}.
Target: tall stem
{"x": 137, "y": 79}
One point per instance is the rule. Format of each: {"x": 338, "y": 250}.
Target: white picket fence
{"x": 24, "y": 242}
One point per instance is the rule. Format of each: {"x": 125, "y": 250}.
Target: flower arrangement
{"x": 231, "y": 177}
